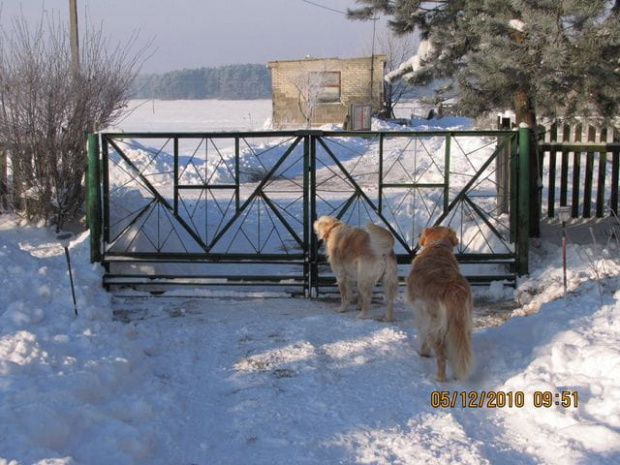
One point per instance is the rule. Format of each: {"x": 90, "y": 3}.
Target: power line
{"x": 324, "y": 7}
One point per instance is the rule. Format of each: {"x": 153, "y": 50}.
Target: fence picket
{"x": 576, "y": 177}
{"x": 614, "y": 181}
{"x": 600, "y": 187}
{"x": 587, "y": 188}
{"x": 588, "y": 171}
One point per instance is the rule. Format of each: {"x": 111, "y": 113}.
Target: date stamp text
{"x": 504, "y": 399}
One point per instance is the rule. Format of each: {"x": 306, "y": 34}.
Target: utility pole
{"x": 372, "y": 58}
{"x": 73, "y": 35}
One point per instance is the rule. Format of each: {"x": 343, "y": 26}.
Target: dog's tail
{"x": 381, "y": 240}
{"x": 459, "y": 304}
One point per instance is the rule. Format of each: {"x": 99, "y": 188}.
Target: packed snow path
{"x": 289, "y": 381}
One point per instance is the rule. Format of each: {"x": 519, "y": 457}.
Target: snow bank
{"x": 276, "y": 380}
{"x": 264, "y": 380}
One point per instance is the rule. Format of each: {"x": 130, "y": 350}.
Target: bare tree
{"x": 310, "y": 85}
{"x": 47, "y": 107}
{"x": 398, "y": 50}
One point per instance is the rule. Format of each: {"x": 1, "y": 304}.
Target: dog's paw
{"x": 341, "y": 310}
{"x": 362, "y": 316}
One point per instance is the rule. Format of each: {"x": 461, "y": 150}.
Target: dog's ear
{"x": 324, "y": 225}
{"x": 453, "y": 239}
{"x": 318, "y": 227}
{"x": 422, "y": 240}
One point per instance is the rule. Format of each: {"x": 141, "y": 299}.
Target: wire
{"x": 324, "y": 7}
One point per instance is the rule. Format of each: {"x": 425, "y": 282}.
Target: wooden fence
{"x": 579, "y": 167}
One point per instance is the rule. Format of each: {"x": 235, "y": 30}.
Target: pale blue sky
{"x": 197, "y": 33}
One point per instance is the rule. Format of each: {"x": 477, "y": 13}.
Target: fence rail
{"x": 237, "y": 208}
{"x": 579, "y": 167}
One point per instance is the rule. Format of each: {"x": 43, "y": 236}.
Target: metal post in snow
{"x": 64, "y": 239}
{"x": 93, "y": 198}
{"x": 564, "y": 213}
{"x": 523, "y": 203}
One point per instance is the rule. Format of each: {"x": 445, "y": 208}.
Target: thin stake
{"x": 64, "y": 239}
{"x": 71, "y": 280}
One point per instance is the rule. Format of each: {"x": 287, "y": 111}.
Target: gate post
{"x": 523, "y": 201}
{"x": 313, "y": 257}
{"x": 93, "y": 198}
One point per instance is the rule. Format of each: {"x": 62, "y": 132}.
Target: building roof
{"x": 380, "y": 57}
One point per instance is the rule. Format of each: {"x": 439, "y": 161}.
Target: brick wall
{"x": 292, "y": 93}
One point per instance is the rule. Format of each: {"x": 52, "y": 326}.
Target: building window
{"x": 327, "y": 86}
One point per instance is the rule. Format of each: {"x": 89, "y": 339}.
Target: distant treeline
{"x": 233, "y": 82}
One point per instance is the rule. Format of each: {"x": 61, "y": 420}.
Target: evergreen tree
{"x": 538, "y": 57}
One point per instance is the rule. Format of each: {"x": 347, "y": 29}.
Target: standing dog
{"x": 362, "y": 256}
{"x": 442, "y": 302}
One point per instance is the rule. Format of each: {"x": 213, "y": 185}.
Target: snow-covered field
{"x": 170, "y": 380}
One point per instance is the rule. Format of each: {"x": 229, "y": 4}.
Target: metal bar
{"x": 579, "y": 147}
{"x": 576, "y": 183}
{"x": 93, "y": 198}
{"x": 176, "y": 174}
{"x": 514, "y": 188}
{"x": 244, "y": 277}
{"x": 362, "y": 194}
{"x": 248, "y": 202}
{"x": 161, "y": 200}
{"x": 106, "y": 189}
{"x": 600, "y": 185}
{"x": 310, "y": 156}
{"x": 587, "y": 189}
{"x": 483, "y": 217}
{"x": 523, "y": 213}
{"x": 297, "y": 133}
{"x": 415, "y": 134}
{"x": 306, "y": 222}
{"x": 191, "y": 257}
{"x": 140, "y": 212}
{"x": 348, "y": 204}
{"x": 564, "y": 179}
{"x": 414, "y": 186}
{"x": 237, "y": 179}
{"x": 283, "y": 220}
{"x": 380, "y": 180}
{"x": 551, "y": 191}
{"x": 472, "y": 181}
{"x": 615, "y": 175}
{"x": 208, "y": 186}
{"x": 202, "y": 135}
{"x": 446, "y": 177}
{"x": 310, "y": 260}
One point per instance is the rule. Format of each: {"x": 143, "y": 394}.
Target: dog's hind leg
{"x": 440, "y": 352}
{"x": 345, "y": 293}
{"x": 389, "y": 283}
{"x": 364, "y": 294}
{"x": 425, "y": 348}
{"x": 422, "y": 323}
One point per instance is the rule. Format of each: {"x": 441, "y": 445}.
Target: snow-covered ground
{"x": 171, "y": 380}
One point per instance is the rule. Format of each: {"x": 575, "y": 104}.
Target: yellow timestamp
{"x": 504, "y": 399}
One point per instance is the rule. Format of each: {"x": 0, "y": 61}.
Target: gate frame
{"x": 519, "y": 215}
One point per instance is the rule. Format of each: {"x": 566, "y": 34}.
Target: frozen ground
{"x": 274, "y": 380}
{"x": 253, "y": 379}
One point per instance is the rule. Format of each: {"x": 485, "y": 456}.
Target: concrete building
{"x": 312, "y": 92}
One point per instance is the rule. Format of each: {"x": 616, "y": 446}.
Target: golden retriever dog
{"x": 362, "y": 256}
{"x": 442, "y": 301}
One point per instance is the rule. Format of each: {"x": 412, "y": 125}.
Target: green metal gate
{"x": 236, "y": 209}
